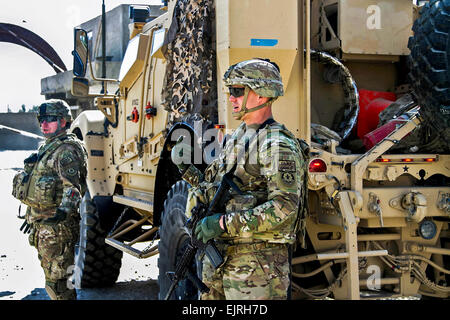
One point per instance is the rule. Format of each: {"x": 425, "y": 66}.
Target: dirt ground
{"x": 21, "y": 277}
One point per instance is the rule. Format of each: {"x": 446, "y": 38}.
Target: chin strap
{"x": 58, "y": 130}
{"x": 244, "y": 110}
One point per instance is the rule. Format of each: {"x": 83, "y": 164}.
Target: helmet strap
{"x": 245, "y": 110}
{"x": 58, "y": 130}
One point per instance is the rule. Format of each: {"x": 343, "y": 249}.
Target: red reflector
{"x": 317, "y": 165}
{"x": 383, "y": 160}
{"x": 219, "y": 126}
{"x": 407, "y": 160}
{"x": 429, "y": 160}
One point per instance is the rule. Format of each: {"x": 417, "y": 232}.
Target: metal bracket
{"x": 325, "y": 26}
{"x": 350, "y": 222}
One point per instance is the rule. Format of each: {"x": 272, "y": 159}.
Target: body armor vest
{"x": 243, "y": 149}
{"x": 39, "y": 186}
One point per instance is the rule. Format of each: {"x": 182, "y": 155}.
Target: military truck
{"x": 366, "y": 85}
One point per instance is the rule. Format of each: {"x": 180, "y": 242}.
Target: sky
{"x": 21, "y": 70}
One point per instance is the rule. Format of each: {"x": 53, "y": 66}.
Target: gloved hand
{"x": 29, "y": 162}
{"x": 181, "y": 154}
{"x": 26, "y": 227}
{"x": 59, "y": 216}
{"x": 209, "y": 228}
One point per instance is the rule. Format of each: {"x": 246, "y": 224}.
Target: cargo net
{"x": 190, "y": 89}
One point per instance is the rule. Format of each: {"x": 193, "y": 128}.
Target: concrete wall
{"x": 10, "y": 140}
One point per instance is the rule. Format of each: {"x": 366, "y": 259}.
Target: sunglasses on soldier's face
{"x": 237, "y": 92}
{"x": 47, "y": 118}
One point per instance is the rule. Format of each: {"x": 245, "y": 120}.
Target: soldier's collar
{"x": 259, "y": 126}
{"x": 58, "y": 136}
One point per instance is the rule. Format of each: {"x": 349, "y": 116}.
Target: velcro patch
{"x": 286, "y": 166}
{"x": 288, "y": 178}
{"x": 71, "y": 171}
{"x": 66, "y": 160}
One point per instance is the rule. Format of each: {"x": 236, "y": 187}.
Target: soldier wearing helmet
{"x": 258, "y": 227}
{"x": 51, "y": 185}
{"x": 249, "y": 80}
{"x": 54, "y": 117}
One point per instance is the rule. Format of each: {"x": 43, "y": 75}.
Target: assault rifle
{"x": 183, "y": 269}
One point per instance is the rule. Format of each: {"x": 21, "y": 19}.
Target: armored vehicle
{"x": 366, "y": 85}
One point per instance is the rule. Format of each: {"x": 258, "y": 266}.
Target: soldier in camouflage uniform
{"x": 51, "y": 185}
{"x": 258, "y": 226}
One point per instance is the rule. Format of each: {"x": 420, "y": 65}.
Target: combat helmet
{"x": 55, "y": 107}
{"x": 260, "y": 75}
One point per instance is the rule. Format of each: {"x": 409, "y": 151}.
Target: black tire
{"x": 429, "y": 64}
{"x": 172, "y": 243}
{"x": 96, "y": 263}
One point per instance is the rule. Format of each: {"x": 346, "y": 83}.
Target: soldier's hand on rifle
{"x": 209, "y": 228}
{"x": 59, "y": 216}
{"x": 181, "y": 154}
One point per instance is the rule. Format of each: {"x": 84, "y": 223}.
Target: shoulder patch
{"x": 288, "y": 178}
{"x": 287, "y": 166}
{"x": 66, "y": 159}
{"x": 71, "y": 172}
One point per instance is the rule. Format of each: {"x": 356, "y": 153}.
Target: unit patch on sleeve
{"x": 287, "y": 166}
{"x": 288, "y": 178}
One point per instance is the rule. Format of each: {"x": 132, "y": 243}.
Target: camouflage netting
{"x": 190, "y": 89}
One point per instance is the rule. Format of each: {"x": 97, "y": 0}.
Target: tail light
{"x": 317, "y": 165}
{"x": 416, "y": 160}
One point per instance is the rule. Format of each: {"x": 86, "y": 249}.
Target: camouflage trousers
{"x": 251, "y": 272}
{"x": 55, "y": 244}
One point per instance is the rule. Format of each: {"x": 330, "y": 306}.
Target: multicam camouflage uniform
{"x": 264, "y": 220}
{"x": 53, "y": 190}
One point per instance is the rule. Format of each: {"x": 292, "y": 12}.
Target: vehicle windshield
{"x": 130, "y": 57}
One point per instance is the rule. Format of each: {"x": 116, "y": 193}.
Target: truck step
{"x": 148, "y": 252}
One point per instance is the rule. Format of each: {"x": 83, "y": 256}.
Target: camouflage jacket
{"x": 57, "y": 177}
{"x": 270, "y": 172}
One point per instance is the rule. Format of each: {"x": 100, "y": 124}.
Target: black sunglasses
{"x": 236, "y": 92}
{"x": 47, "y": 118}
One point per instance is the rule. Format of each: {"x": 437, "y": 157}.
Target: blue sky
{"x": 21, "y": 70}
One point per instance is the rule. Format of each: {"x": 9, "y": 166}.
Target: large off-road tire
{"x": 96, "y": 263}
{"x": 172, "y": 243}
{"x": 429, "y": 64}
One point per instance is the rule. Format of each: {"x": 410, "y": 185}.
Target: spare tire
{"x": 429, "y": 64}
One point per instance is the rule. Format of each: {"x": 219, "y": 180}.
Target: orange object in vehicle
{"x": 371, "y": 103}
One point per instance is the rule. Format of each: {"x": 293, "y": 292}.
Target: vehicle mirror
{"x": 80, "y": 52}
{"x": 80, "y": 87}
